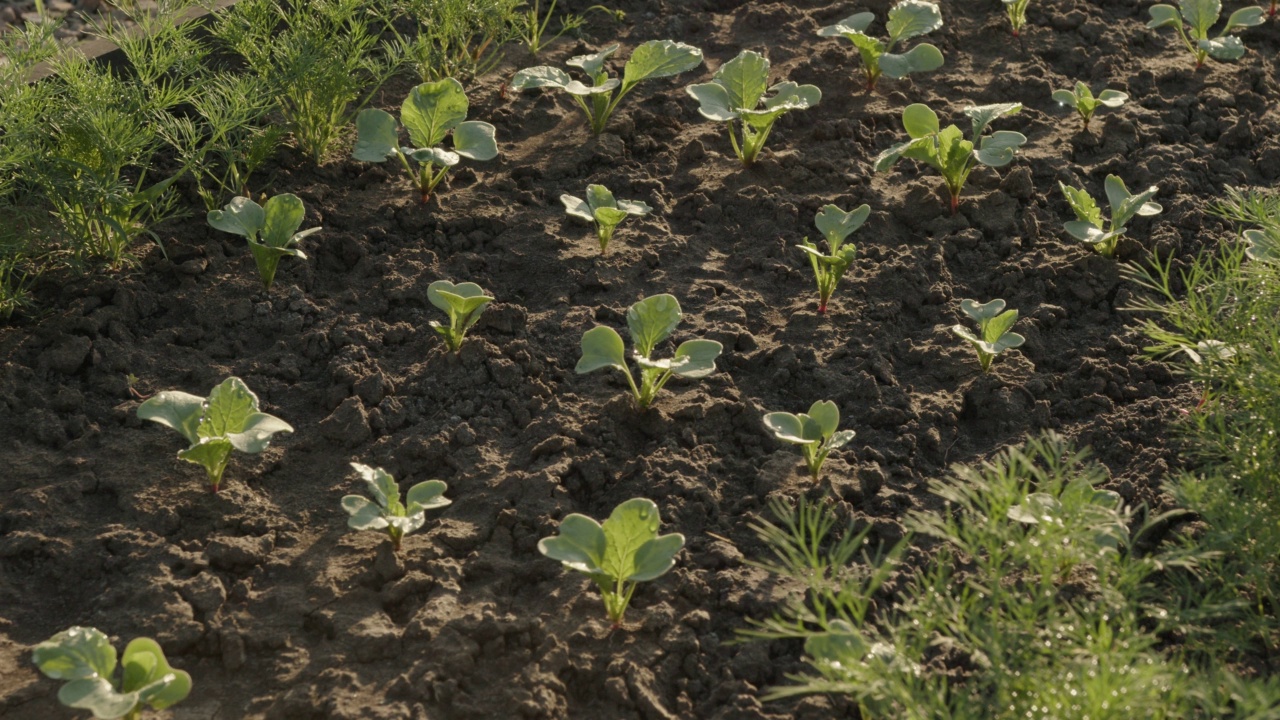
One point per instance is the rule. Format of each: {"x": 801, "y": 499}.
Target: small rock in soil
{"x": 238, "y": 553}
{"x": 348, "y": 424}
{"x": 204, "y": 592}
{"x": 375, "y": 638}
{"x": 67, "y": 354}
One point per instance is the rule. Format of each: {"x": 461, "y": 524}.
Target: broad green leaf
{"x": 474, "y": 139}
{"x": 921, "y": 58}
{"x": 713, "y": 101}
{"x": 827, "y": 415}
{"x": 840, "y": 439}
{"x": 538, "y": 77}
{"x": 953, "y": 154}
{"x": 836, "y": 225}
{"x": 1064, "y": 97}
{"x": 178, "y": 410}
{"x": 994, "y": 328}
{"x": 1112, "y": 98}
{"x": 659, "y": 59}
{"x": 434, "y": 156}
{"x": 869, "y": 48}
{"x": 241, "y": 216}
{"x": 966, "y": 334}
{"x": 982, "y": 311}
{"x": 651, "y": 321}
{"x": 791, "y": 96}
{"x": 432, "y": 110}
{"x": 376, "y": 136}
{"x": 1162, "y": 15}
{"x": 999, "y": 148}
{"x": 912, "y": 18}
{"x": 382, "y": 486}
{"x": 1037, "y": 508}
{"x": 577, "y": 207}
{"x": 147, "y": 671}
{"x": 601, "y": 347}
{"x": 581, "y": 544}
{"x": 634, "y": 207}
{"x": 630, "y": 525}
{"x": 983, "y": 115}
{"x": 1087, "y": 232}
{"x": 894, "y": 153}
{"x": 745, "y": 79}
{"x": 228, "y": 409}
{"x": 609, "y": 216}
{"x": 1117, "y": 193}
{"x": 789, "y": 428}
{"x": 857, "y": 23}
{"x": 1083, "y": 204}
{"x": 209, "y": 453}
{"x": 76, "y": 653}
{"x": 1224, "y": 48}
{"x": 577, "y": 87}
{"x": 1135, "y": 205}
{"x": 654, "y": 558}
{"x": 364, "y": 514}
{"x": 1251, "y": 16}
{"x": 1263, "y": 245}
{"x": 406, "y": 524}
{"x": 839, "y": 648}
{"x": 920, "y": 121}
{"x": 427, "y": 495}
{"x": 436, "y": 293}
{"x": 257, "y": 432}
{"x": 1007, "y": 341}
{"x": 98, "y": 696}
{"x": 1200, "y": 15}
{"x": 284, "y": 216}
{"x": 593, "y": 63}
{"x": 598, "y": 196}
{"x": 700, "y": 358}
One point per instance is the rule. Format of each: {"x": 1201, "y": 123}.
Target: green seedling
{"x": 1208, "y": 351}
{"x": 1193, "y": 19}
{"x": 432, "y": 112}
{"x": 946, "y": 150}
{"x": 535, "y": 33}
{"x": 271, "y": 230}
{"x": 1017, "y": 12}
{"x": 463, "y": 302}
{"x": 654, "y": 59}
{"x": 815, "y": 432}
{"x": 604, "y": 210}
{"x": 226, "y": 420}
{"x": 1089, "y": 225}
{"x": 386, "y": 512}
{"x": 993, "y": 335}
{"x": 907, "y": 19}
{"x": 650, "y": 321}
{"x": 625, "y": 550}
{"x": 835, "y": 225}
{"x": 736, "y": 92}
{"x": 1085, "y": 103}
{"x": 1263, "y": 245}
{"x": 1100, "y": 511}
{"x": 85, "y": 658}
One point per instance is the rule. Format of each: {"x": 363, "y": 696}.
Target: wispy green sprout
{"x": 651, "y": 60}
{"x": 1085, "y": 103}
{"x": 1193, "y": 20}
{"x": 226, "y": 420}
{"x": 386, "y": 511}
{"x": 835, "y": 225}
{"x": 651, "y": 321}
{"x": 463, "y": 302}
{"x": 816, "y": 432}
{"x": 1017, "y": 12}
{"x": 432, "y": 112}
{"x": 946, "y": 150}
{"x": 1097, "y": 232}
{"x": 907, "y": 19}
{"x": 601, "y": 208}
{"x": 271, "y": 230}
{"x": 993, "y": 335}
{"x": 736, "y": 92}
{"x": 534, "y": 35}
{"x": 85, "y": 658}
{"x": 617, "y": 555}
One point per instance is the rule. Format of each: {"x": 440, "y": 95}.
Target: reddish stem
{"x": 822, "y": 308}
{"x": 1017, "y": 33}
{"x": 215, "y": 489}
{"x": 955, "y": 204}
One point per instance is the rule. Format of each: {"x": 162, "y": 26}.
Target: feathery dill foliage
{"x": 460, "y": 39}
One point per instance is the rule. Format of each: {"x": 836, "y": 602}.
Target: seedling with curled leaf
{"x": 946, "y": 150}
{"x": 816, "y": 432}
{"x": 386, "y": 511}
{"x": 654, "y": 59}
{"x": 271, "y": 230}
{"x": 617, "y": 555}
{"x": 1017, "y": 12}
{"x": 1085, "y": 103}
{"x": 1094, "y": 230}
{"x": 1193, "y": 20}
{"x": 650, "y": 321}
{"x": 85, "y": 658}
{"x": 604, "y": 210}
{"x": 463, "y": 302}
{"x": 835, "y": 225}
{"x": 736, "y": 92}
{"x": 432, "y": 112}
{"x": 993, "y": 335}
{"x": 907, "y": 19}
{"x": 226, "y": 420}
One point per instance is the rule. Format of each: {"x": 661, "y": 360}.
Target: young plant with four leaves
{"x": 432, "y": 112}
{"x": 463, "y": 302}
{"x": 907, "y": 19}
{"x": 835, "y": 225}
{"x": 85, "y": 658}
{"x": 1092, "y": 229}
{"x": 386, "y": 511}
{"x": 604, "y": 210}
{"x": 654, "y": 59}
{"x": 993, "y": 335}
{"x": 946, "y": 150}
{"x": 651, "y": 321}
{"x": 816, "y": 432}
{"x": 736, "y": 92}
{"x": 226, "y": 420}
{"x": 617, "y": 555}
{"x": 1017, "y": 12}
{"x": 1193, "y": 20}
{"x": 1085, "y": 102}
{"x": 271, "y": 230}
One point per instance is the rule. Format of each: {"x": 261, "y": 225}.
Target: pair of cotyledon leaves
{"x": 85, "y": 658}
{"x": 386, "y": 510}
{"x": 1090, "y": 226}
{"x": 906, "y": 20}
{"x": 650, "y": 321}
{"x": 271, "y": 229}
{"x": 626, "y": 548}
{"x": 994, "y": 322}
{"x": 430, "y": 113}
{"x": 1196, "y": 18}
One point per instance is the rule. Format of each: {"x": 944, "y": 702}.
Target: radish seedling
{"x": 1088, "y": 227}
{"x": 907, "y": 19}
{"x": 1263, "y": 245}
{"x": 1085, "y": 103}
{"x": 604, "y": 210}
{"x": 431, "y": 112}
{"x": 228, "y": 419}
{"x": 650, "y": 321}
{"x": 1193, "y": 18}
{"x": 464, "y": 302}
{"x": 625, "y": 550}
{"x": 815, "y": 432}
{"x": 654, "y": 59}
{"x": 736, "y": 90}
{"x": 85, "y": 658}
{"x": 270, "y": 230}
{"x": 946, "y": 150}
{"x": 835, "y": 225}
{"x": 386, "y": 512}
{"x": 993, "y": 335}
{"x": 1017, "y": 12}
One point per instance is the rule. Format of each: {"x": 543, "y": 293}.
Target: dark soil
{"x": 278, "y": 610}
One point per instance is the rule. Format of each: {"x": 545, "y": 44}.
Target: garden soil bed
{"x": 278, "y": 610}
